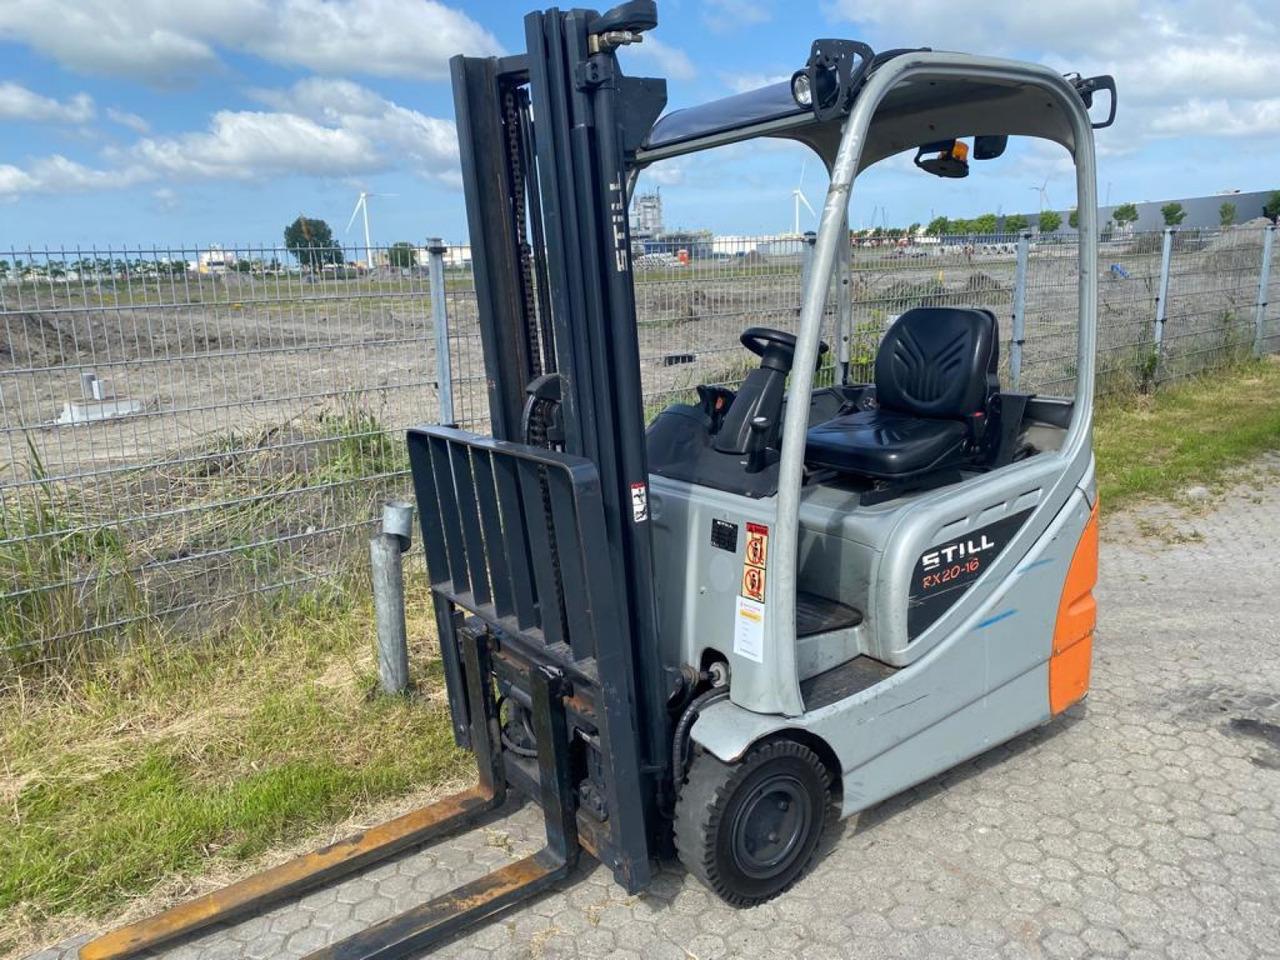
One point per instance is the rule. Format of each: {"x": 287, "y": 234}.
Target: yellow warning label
{"x": 753, "y": 583}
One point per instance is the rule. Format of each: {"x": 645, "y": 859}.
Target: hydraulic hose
{"x": 680, "y": 740}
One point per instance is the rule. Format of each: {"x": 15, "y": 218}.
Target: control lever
{"x": 758, "y": 444}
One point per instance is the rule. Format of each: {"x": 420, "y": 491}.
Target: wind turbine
{"x": 798, "y": 197}
{"x": 362, "y": 207}
{"x": 1043, "y": 191}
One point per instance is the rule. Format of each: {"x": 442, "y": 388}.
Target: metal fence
{"x": 185, "y": 429}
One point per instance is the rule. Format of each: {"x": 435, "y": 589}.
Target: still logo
{"x": 956, "y": 551}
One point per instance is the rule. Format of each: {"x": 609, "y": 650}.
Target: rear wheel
{"x": 749, "y": 829}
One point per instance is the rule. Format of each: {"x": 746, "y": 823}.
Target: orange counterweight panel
{"x": 1077, "y": 617}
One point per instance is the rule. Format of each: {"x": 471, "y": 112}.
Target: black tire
{"x": 749, "y": 829}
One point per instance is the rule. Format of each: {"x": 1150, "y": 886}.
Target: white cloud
{"x": 243, "y": 145}
{"x": 166, "y": 199}
{"x": 410, "y": 38}
{"x": 1255, "y": 119}
{"x": 318, "y": 127}
{"x": 57, "y": 174}
{"x": 725, "y": 16}
{"x": 992, "y": 26}
{"x": 429, "y": 144}
{"x": 1190, "y": 68}
{"x": 158, "y": 41}
{"x": 19, "y": 103}
{"x": 745, "y": 82}
{"x": 126, "y": 119}
{"x": 670, "y": 62}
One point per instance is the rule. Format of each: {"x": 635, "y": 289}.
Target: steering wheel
{"x": 776, "y": 348}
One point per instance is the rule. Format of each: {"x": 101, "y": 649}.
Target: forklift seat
{"x": 935, "y": 375}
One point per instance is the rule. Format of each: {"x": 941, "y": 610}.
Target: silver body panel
{"x": 980, "y": 676}
{"x": 977, "y": 675}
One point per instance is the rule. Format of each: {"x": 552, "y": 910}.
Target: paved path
{"x": 1145, "y": 823}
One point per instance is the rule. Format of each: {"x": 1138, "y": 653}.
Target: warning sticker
{"x": 754, "y": 559}
{"x": 748, "y": 630}
{"x": 639, "y": 502}
{"x": 757, "y": 554}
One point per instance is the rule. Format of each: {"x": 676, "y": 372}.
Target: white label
{"x": 639, "y": 502}
{"x": 748, "y": 630}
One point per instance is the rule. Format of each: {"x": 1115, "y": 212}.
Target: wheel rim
{"x": 769, "y": 827}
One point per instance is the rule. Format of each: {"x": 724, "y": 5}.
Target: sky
{"x": 159, "y": 123}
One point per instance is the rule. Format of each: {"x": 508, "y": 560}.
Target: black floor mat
{"x": 843, "y": 681}
{"x": 815, "y": 614}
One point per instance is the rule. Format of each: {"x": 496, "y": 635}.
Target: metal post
{"x": 844, "y": 312}
{"x": 1163, "y": 296}
{"x": 385, "y": 552}
{"x": 440, "y": 319}
{"x": 1019, "y": 308}
{"x": 1264, "y": 281}
{"x": 806, "y": 261}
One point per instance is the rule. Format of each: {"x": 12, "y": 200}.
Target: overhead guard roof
{"x": 919, "y": 110}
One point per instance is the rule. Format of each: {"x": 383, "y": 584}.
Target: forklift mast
{"x": 545, "y": 139}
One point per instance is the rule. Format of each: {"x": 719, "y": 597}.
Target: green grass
{"x": 1186, "y": 434}
{"x": 154, "y": 765}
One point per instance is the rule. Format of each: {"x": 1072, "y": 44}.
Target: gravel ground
{"x": 1141, "y": 824}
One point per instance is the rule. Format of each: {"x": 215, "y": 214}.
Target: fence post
{"x": 1264, "y": 281}
{"x": 844, "y": 306}
{"x": 1166, "y": 254}
{"x": 440, "y": 319}
{"x": 806, "y": 262}
{"x": 385, "y": 552}
{"x": 1019, "y": 308}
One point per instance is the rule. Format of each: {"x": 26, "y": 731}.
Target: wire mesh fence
{"x": 183, "y": 429}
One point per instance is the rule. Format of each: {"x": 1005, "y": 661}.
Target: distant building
{"x": 457, "y": 255}
{"x": 215, "y": 260}
{"x": 1202, "y": 212}
{"x": 735, "y": 245}
{"x": 646, "y": 215}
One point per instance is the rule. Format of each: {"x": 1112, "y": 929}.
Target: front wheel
{"x": 749, "y": 829}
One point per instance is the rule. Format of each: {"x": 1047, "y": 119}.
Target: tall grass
{"x": 68, "y": 572}
{"x": 163, "y": 761}
{"x": 83, "y": 583}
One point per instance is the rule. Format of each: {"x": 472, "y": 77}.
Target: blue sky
{"x": 152, "y": 122}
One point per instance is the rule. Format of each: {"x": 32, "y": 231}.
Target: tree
{"x": 243, "y": 266}
{"x": 985, "y": 223}
{"x": 1124, "y": 215}
{"x": 1015, "y": 223}
{"x": 402, "y": 255}
{"x": 938, "y": 226}
{"x": 1073, "y": 218}
{"x": 1051, "y": 220}
{"x": 1271, "y": 209}
{"x": 311, "y": 242}
{"x": 1227, "y": 213}
{"x": 913, "y": 229}
{"x": 1173, "y": 214}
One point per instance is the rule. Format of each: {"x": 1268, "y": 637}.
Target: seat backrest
{"x": 939, "y": 362}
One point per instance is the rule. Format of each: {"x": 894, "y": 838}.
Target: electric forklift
{"x": 694, "y": 638}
